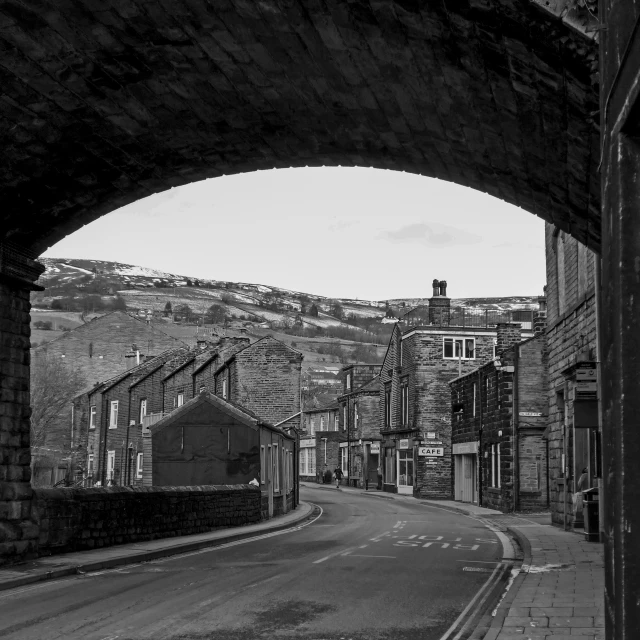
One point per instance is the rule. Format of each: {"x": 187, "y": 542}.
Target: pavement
{"x": 80, "y": 562}
{"x": 558, "y": 590}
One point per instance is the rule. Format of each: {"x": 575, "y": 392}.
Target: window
{"x": 113, "y": 416}
{"x": 322, "y": 422}
{"x": 389, "y": 466}
{"x": 111, "y": 466}
{"x": 90, "y": 465}
{"x": 344, "y": 459}
{"x": 495, "y": 465}
{"x": 455, "y": 348}
{"x": 404, "y": 395}
{"x": 276, "y": 469}
{"x": 139, "y": 465}
{"x": 473, "y": 410}
{"x": 345, "y": 417}
{"x": 495, "y": 348}
{"x": 180, "y": 398}
{"x": 224, "y": 389}
{"x": 348, "y": 381}
{"x": 92, "y": 416}
{"x": 387, "y": 404}
{"x": 312, "y": 425}
{"x": 143, "y": 409}
{"x": 336, "y": 422}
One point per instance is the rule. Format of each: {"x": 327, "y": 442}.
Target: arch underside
{"x": 104, "y": 103}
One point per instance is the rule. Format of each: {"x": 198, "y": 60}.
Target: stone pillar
{"x": 509, "y": 333}
{"x": 18, "y": 531}
{"x": 620, "y": 313}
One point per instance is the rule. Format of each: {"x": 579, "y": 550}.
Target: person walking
{"x": 338, "y": 475}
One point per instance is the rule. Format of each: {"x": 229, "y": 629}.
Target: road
{"x": 368, "y": 568}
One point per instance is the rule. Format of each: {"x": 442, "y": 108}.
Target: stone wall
{"x": 80, "y": 519}
{"x": 571, "y": 330}
{"x": 18, "y": 534}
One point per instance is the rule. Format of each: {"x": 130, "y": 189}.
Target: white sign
{"x": 307, "y": 443}
{"x": 404, "y": 444}
{"x": 431, "y": 435}
{"x": 531, "y": 414}
{"x": 375, "y": 447}
{"x": 431, "y": 451}
{"x": 465, "y": 447}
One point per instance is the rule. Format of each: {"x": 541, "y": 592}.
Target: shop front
{"x": 465, "y": 465}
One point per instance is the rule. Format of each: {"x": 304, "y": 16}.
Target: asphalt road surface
{"x": 368, "y": 568}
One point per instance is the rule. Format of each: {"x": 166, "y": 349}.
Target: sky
{"x": 339, "y": 232}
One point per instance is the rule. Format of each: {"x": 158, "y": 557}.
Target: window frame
{"x": 139, "y": 463}
{"x": 179, "y": 398}
{"x": 224, "y": 390}
{"x": 90, "y": 464}
{"x": 387, "y": 405}
{"x": 93, "y": 412}
{"x": 262, "y": 464}
{"x": 143, "y": 409}
{"x": 276, "y": 468}
{"x": 404, "y": 401}
{"x": 112, "y": 404}
{"x": 348, "y": 381}
{"x": 463, "y": 340}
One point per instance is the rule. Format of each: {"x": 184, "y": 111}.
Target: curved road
{"x": 369, "y": 567}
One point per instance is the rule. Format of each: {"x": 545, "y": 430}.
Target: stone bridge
{"x": 104, "y": 102}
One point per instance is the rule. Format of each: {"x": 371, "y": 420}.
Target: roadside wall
{"x": 79, "y": 519}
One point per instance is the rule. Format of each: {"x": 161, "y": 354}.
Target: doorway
{"x": 405, "y": 472}
{"x": 466, "y": 489}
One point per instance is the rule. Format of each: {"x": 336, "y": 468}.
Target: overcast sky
{"x": 338, "y": 232}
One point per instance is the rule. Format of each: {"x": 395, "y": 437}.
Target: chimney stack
{"x": 540, "y": 316}
{"x": 509, "y": 333}
{"x": 440, "y": 305}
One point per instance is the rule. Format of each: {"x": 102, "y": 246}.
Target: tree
{"x": 216, "y": 314}
{"x": 335, "y": 309}
{"x": 313, "y": 310}
{"x": 167, "y": 309}
{"x": 189, "y": 283}
{"x": 119, "y": 304}
{"x": 54, "y": 383}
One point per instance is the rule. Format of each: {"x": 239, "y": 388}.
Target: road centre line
{"x": 331, "y": 555}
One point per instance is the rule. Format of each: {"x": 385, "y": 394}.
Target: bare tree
{"x": 54, "y": 383}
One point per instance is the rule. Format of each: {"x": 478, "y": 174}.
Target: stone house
{"x": 264, "y": 377}
{"x": 572, "y": 343}
{"x": 212, "y": 441}
{"x": 320, "y": 440}
{"x": 430, "y": 346}
{"x": 360, "y": 424}
{"x": 499, "y": 414}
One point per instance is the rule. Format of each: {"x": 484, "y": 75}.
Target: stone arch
{"x": 107, "y": 104}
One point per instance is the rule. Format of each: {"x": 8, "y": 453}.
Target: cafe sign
{"x": 437, "y": 452}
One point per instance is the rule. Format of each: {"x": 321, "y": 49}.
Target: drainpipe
{"x": 564, "y": 452}
{"x": 103, "y": 440}
{"x": 127, "y": 468}
{"x": 480, "y": 451}
{"x": 515, "y": 421}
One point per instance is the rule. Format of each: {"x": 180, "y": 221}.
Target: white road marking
{"x": 364, "y": 546}
{"x": 331, "y": 555}
{"x": 356, "y": 555}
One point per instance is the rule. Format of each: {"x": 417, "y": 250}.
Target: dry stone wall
{"x": 80, "y": 519}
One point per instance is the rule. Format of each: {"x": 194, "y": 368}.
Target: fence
{"x": 467, "y": 317}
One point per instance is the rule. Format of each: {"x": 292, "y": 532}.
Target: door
{"x": 111, "y": 465}
{"x": 405, "y": 472}
{"x": 372, "y": 468}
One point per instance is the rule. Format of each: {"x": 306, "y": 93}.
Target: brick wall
{"x": 333, "y": 440}
{"x": 79, "y": 519}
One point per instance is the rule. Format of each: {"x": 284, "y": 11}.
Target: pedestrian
{"x": 578, "y": 504}
{"x": 338, "y": 475}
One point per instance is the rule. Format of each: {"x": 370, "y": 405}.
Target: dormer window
{"x": 348, "y": 381}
